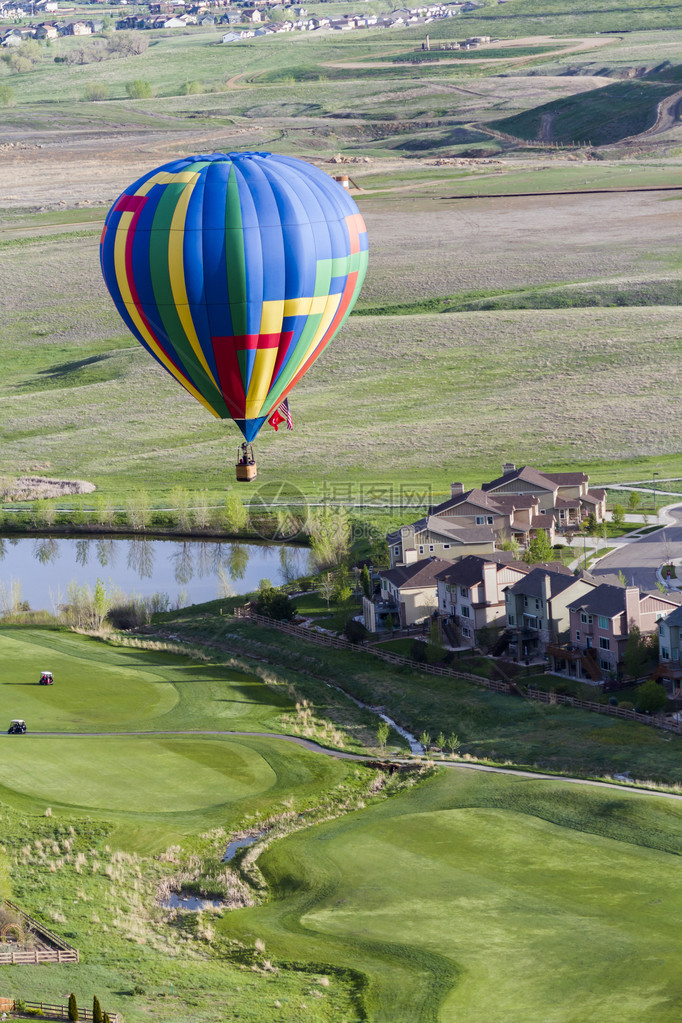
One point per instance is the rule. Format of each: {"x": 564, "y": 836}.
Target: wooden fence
{"x": 59, "y": 952}
{"x": 337, "y": 643}
{"x": 48, "y": 1011}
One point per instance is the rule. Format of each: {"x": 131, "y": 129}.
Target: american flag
{"x": 283, "y": 409}
{"x": 281, "y": 415}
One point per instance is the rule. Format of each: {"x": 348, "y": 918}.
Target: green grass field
{"x": 486, "y": 899}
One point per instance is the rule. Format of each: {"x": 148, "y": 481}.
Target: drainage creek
{"x": 195, "y": 903}
{"x": 415, "y": 746}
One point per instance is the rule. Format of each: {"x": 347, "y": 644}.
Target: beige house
{"x": 538, "y": 610}
{"x": 408, "y": 595}
{"x": 514, "y": 506}
{"x": 471, "y": 596}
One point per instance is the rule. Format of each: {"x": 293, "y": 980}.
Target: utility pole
{"x": 655, "y": 474}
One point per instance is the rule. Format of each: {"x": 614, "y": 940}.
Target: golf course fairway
{"x": 487, "y": 899}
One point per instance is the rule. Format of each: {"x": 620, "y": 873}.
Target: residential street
{"x": 638, "y": 560}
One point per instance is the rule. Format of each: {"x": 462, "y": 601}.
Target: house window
{"x": 602, "y": 622}
{"x": 661, "y": 629}
{"x": 525, "y": 601}
{"x": 490, "y": 520}
{"x": 480, "y": 520}
{"x": 538, "y": 604}
{"x": 583, "y": 618}
{"x": 465, "y": 612}
{"x": 542, "y": 511}
{"x": 445, "y": 603}
{"x": 665, "y": 654}
{"x": 463, "y": 591}
{"x": 577, "y": 636}
{"x": 421, "y": 548}
{"x": 446, "y": 546}
{"x": 396, "y": 551}
{"x": 604, "y": 664}
{"x": 510, "y": 619}
{"x": 604, "y": 643}
{"x": 431, "y": 547}
{"x": 465, "y": 631}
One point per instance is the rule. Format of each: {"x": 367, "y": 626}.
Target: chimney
{"x": 631, "y": 607}
{"x": 508, "y": 467}
{"x": 456, "y": 489}
{"x": 490, "y": 582}
{"x": 546, "y": 590}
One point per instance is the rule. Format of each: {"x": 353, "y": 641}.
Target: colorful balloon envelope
{"x": 235, "y": 271}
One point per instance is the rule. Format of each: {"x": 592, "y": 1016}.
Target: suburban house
{"x": 669, "y": 646}
{"x": 408, "y": 595}
{"x": 513, "y": 507}
{"x": 600, "y": 624}
{"x": 537, "y": 610}
{"x": 471, "y": 596}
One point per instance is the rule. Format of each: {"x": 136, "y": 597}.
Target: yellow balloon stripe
{"x": 134, "y": 313}
{"x": 261, "y": 378}
{"x": 176, "y": 270}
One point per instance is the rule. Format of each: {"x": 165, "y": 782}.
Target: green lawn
{"x": 487, "y": 899}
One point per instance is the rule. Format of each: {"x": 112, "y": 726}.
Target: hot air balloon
{"x": 235, "y": 270}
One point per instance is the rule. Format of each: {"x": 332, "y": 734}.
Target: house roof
{"x": 533, "y": 584}
{"x": 465, "y": 534}
{"x": 525, "y": 473}
{"x": 567, "y": 479}
{"x": 605, "y": 600}
{"x": 675, "y": 617}
{"x": 469, "y": 571}
{"x": 422, "y": 573}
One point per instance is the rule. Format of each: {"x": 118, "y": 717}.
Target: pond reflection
{"x": 196, "y": 570}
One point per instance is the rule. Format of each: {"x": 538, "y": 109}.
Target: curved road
{"x": 639, "y": 559}
{"x": 340, "y": 755}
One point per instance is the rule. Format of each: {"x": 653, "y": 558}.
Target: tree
{"x": 235, "y": 513}
{"x": 275, "y": 604}
{"x": 139, "y": 510}
{"x": 366, "y": 582}
{"x": 179, "y": 499}
{"x": 591, "y": 525}
{"x": 97, "y": 1016}
{"x": 382, "y": 734}
{"x": 355, "y": 631}
{"x": 425, "y": 740}
{"x": 200, "y": 510}
{"x": 618, "y": 515}
{"x": 140, "y": 88}
{"x": 636, "y": 653}
{"x": 191, "y": 88}
{"x": 509, "y": 543}
{"x": 435, "y": 649}
{"x": 651, "y": 697}
{"x": 441, "y": 741}
{"x": 327, "y": 587}
{"x": 539, "y": 549}
{"x": 621, "y": 577}
{"x": 101, "y": 603}
{"x": 343, "y": 588}
{"x": 453, "y": 743}
{"x": 96, "y": 92}
{"x": 6, "y": 96}
{"x": 73, "y": 1007}
{"x": 634, "y": 500}
{"x": 329, "y": 532}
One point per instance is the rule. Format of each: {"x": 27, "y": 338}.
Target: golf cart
{"x": 46, "y": 678}
{"x": 17, "y": 727}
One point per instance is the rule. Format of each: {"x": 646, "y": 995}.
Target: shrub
{"x": 355, "y": 631}
{"x": 96, "y": 92}
{"x": 97, "y": 1016}
{"x": 6, "y": 95}
{"x": 651, "y": 697}
{"x": 73, "y": 1007}
{"x": 275, "y": 604}
{"x": 418, "y": 651}
{"x": 191, "y": 88}
{"x": 139, "y": 89}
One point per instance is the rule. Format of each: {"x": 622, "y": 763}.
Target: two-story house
{"x": 669, "y": 647}
{"x": 600, "y": 624}
{"x": 537, "y": 610}
{"x": 514, "y": 506}
{"x": 408, "y": 595}
{"x": 471, "y": 595}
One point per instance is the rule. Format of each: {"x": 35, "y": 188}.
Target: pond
{"x": 174, "y": 572}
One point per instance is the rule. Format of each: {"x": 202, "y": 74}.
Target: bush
{"x": 6, "y": 95}
{"x": 651, "y": 697}
{"x": 275, "y": 604}
{"x": 418, "y": 651}
{"x": 191, "y": 88}
{"x": 96, "y": 92}
{"x": 73, "y": 1007}
{"x": 626, "y": 705}
{"x": 139, "y": 89}
{"x": 355, "y": 631}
